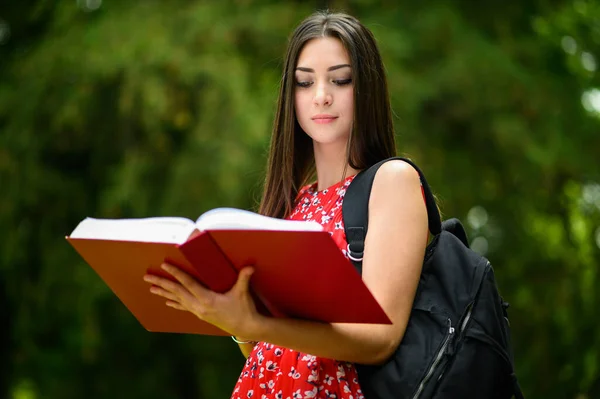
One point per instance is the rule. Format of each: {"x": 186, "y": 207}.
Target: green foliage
{"x": 164, "y": 108}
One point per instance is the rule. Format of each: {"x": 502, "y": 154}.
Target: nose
{"x": 322, "y": 95}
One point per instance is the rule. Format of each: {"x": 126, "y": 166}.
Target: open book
{"x": 299, "y": 270}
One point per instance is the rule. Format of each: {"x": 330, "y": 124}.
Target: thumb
{"x": 243, "y": 280}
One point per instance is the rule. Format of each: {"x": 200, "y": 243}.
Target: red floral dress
{"x": 276, "y": 372}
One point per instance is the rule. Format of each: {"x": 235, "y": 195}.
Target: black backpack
{"x": 457, "y": 341}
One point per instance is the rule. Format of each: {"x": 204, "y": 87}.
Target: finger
{"x": 175, "y": 288}
{"x": 176, "y": 305}
{"x": 243, "y": 281}
{"x": 186, "y": 280}
{"x": 162, "y": 292}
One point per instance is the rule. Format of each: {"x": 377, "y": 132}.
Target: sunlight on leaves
{"x": 477, "y": 217}
{"x": 24, "y": 390}
{"x": 591, "y": 101}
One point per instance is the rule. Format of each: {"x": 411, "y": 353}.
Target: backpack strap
{"x": 355, "y": 209}
{"x": 517, "y": 392}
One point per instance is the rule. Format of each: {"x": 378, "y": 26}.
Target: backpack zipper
{"x": 463, "y": 325}
{"x": 436, "y": 362}
{"x": 466, "y": 320}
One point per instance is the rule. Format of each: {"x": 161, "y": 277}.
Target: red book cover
{"x": 298, "y": 274}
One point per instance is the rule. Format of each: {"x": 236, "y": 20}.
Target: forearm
{"x": 357, "y": 343}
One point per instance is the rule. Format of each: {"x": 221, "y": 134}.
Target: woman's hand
{"x": 233, "y": 311}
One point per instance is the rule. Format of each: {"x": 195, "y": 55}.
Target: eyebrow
{"x": 331, "y": 68}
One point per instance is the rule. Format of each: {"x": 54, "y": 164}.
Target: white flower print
{"x": 341, "y": 373}
{"x": 338, "y": 225}
{"x": 311, "y": 394}
{"x": 297, "y": 395}
{"x": 271, "y": 366}
{"x": 250, "y": 393}
{"x": 325, "y": 219}
{"x": 328, "y": 379}
{"x": 309, "y": 359}
{"x": 294, "y": 373}
{"x": 278, "y": 352}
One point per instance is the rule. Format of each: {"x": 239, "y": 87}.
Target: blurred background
{"x": 121, "y": 108}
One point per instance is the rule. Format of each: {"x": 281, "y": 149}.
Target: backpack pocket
{"x": 417, "y": 361}
{"x": 480, "y": 368}
{"x": 437, "y": 367}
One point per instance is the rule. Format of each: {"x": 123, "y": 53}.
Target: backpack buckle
{"x": 351, "y": 257}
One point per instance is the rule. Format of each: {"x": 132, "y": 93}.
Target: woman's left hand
{"x": 233, "y": 311}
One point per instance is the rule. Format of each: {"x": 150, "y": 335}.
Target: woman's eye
{"x": 342, "y": 82}
{"x": 303, "y": 84}
{"x": 337, "y": 82}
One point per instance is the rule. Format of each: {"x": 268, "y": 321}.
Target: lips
{"x": 322, "y": 118}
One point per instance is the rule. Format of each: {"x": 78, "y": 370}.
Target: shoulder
{"x": 397, "y": 173}
{"x": 397, "y": 184}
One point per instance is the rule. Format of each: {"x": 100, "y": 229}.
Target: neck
{"x": 331, "y": 163}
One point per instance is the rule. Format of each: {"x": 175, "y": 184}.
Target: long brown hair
{"x": 291, "y": 156}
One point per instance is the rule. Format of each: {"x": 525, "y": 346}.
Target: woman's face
{"x": 324, "y": 92}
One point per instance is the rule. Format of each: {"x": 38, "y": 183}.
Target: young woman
{"x": 333, "y": 119}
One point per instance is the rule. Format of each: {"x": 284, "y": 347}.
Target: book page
{"x": 169, "y": 230}
{"x": 237, "y": 219}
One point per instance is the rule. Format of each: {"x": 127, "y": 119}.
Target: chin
{"x": 328, "y": 140}
{"x": 327, "y": 137}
